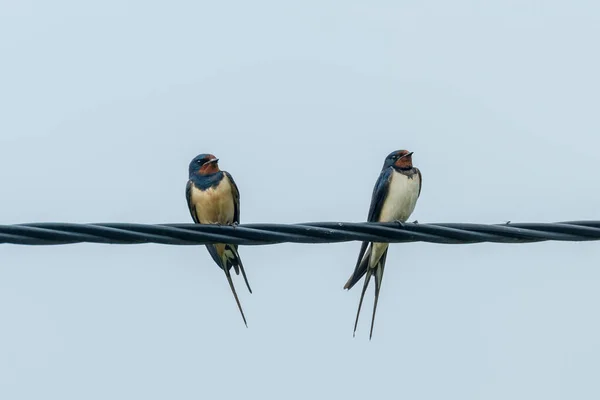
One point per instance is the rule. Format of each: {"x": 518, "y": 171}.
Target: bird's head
{"x": 401, "y": 159}
{"x": 204, "y": 164}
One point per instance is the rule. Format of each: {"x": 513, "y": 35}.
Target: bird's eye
{"x": 198, "y": 161}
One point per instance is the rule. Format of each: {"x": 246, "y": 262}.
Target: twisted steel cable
{"x": 316, "y": 232}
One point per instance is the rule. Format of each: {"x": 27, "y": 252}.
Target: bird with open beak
{"x": 213, "y": 198}
{"x": 394, "y": 198}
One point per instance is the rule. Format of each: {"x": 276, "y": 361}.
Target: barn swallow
{"x": 213, "y": 198}
{"x": 394, "y": 198}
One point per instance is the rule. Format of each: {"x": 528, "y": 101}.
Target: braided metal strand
{"x": 316, "y": 232}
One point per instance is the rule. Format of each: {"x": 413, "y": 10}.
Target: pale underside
{"x": 215, "y": 206}
{"x": 399, "y": 204}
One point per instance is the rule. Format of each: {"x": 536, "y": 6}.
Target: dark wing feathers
{"x": 212, "y": 250}
{"x": 188, "y": 197}
{"x": 359, "y": 269}
{"x": 420, "y": 181}
{"x": 236, "y": 219}
{"x": 379, "y": 193}
{"x": 236, "y": 198}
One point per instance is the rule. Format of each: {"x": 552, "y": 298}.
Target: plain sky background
{"x": 104, "y": 104}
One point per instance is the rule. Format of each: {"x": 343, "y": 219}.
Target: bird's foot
{"x": 415, "y": 221}
{"x": 235, "y": 225}
{"x": 507, "y": 222}
{"x": 400, "y": 223}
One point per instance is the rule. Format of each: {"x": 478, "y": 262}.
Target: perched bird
{"x": 213, "y": 198}
{"x": 394, "y": 198}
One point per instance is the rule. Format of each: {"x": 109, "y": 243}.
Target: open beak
{"x": 408, "y": 154}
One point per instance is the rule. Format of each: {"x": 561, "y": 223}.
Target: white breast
{"x": 214, "y": 205}
{"x": 401, "y": 199}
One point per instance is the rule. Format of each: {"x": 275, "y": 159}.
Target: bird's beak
{"x": 213, "y": 161}
{"x": 408, "y": 154}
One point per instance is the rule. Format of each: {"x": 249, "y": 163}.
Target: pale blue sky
{"x": 103, "y": 106}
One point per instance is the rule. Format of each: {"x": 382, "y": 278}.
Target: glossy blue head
{"x": 204, "y": 164}
{"x": 401, "y": 159}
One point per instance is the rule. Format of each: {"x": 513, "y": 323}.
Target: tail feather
{"x": 361, "y": 267}
{"x": 226, "y": 256}
{"x": 237, "y": 265}
{"x": 245, "y": 278}
{"x": 228, "y": 275}
{"x": 362, "y": 296}
{"x": 378, "y": 279}
{"x": 364, "y": 268}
